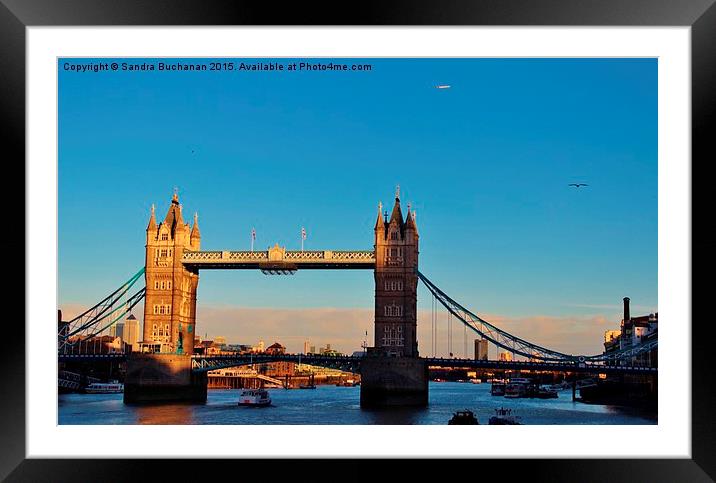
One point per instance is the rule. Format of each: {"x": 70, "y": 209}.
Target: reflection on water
{"x": 341, "y": 405}
{"x": 164, "y": 414}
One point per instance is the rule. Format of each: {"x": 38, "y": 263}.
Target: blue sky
{"x": 485, "y": 164}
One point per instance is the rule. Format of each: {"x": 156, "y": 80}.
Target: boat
{"x": 559, "y": 387}
{"x": 111, "y": 387}
{"x": 544, "y": 393}
{"x": 475, "y": 381}
{"x": 463, "y": 417}
{"x": 347, "y": 383}
{"x": 254, "y": 397}
{"x": 497, "y": 388}
{"x": 504, "y": 416}
{"x": 518, "y": 387}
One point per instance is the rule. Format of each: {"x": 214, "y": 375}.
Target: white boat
{"x": 475, "y": 381}
{"x": 105, "y": 387}
{"x": 254, "y": 397}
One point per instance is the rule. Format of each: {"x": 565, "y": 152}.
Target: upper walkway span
{"x": 278, "y": 259}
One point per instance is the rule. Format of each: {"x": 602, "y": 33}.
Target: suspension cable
{"x": 516, "y": 345}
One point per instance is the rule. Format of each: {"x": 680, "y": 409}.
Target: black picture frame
{"x": 700, "y": 15}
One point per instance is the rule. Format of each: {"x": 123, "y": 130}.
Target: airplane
{"x": 442, "y": 86}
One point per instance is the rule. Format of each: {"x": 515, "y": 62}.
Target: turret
{"x": 410, "y": 224}
{"x": 396, "y": 217}
{"x": 174, "y": 219}
{"x": 195, "y": 237}
{"x": 379, "y": 222}
{"x": 152, "y": 227}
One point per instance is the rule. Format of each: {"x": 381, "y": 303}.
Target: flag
{"x": 303, "y": 233}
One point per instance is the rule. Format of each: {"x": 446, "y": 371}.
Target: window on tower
{"x": 165, "y": 237}
{"x": 393, "y": 310}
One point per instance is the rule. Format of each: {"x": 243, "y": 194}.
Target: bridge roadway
{"x": 201, "y": 363}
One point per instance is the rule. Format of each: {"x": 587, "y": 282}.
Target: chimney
{"x": 626, "y": 309}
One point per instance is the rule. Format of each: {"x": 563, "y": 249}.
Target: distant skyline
{"x": 486, "y": 164}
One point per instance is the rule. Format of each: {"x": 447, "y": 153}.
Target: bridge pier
{"x": 163, "y": 378}
{"x": 393, "y": 381}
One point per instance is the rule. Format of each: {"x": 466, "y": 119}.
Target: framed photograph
{"x": 209, "y": 190}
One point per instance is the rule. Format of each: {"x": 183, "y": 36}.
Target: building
{"x": 313, "y": 350}
{"x": 170, "y": 297}
{"x": 116, "y": 329}
{"x": 259, "y": 348}
{"x": 275, "y": 349}
{"x": 327, "y": 351}
{"x": 220, "y": 341}
{"x": 239, "y": 348}
{"x": 505, "y": 356}
{"x": 633, "y": 332}
{"x": 277, "y": 369}
{"x": 305, "y": 347}
{"x": 480, "y": 349}
{"x": 104, "y": 344}
{"x": 611, "y": 341}
{"x": 396, "y": 282}
{"x": 130, "y": 332}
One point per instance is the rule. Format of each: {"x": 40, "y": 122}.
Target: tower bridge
{"x": 392, "y": 371}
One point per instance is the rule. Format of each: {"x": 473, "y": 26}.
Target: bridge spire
{"x": 174, "y": 221}
{"x": 152, "y": 221}
{"x": 195, "y": 234}
{"x": 410, "y": 220}
{"x": 397, "y": 215}
{"x": 379, "y": 223}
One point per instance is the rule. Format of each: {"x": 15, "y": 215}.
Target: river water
{"x": 341, "y": 405}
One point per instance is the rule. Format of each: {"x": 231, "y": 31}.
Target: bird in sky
{"x": 578, "y": 185}
{"x": 442, "y": 86}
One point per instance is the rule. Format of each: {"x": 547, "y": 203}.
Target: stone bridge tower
{"x": 396, "y": 282}
{"x": 170, "y": 300}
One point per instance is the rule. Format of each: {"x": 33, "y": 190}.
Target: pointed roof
{"x": 131, "y": 317}
{"x": 379, "y": 223}
{"x": 174, "y": 218}
{"x": 152, "y": 221}
{"x": 410, "y": 220}
{"x": 195, "y": 229}
{"x": 397, "y": 215}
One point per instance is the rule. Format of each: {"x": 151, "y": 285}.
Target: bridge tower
{"x": 162, "y": 370}
{"x": 391, "y": 373}
{"x": 396, "y": 282}
{"x": 170, "y": 301}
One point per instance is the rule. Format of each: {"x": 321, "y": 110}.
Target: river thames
{"x": 341, "y": 405}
